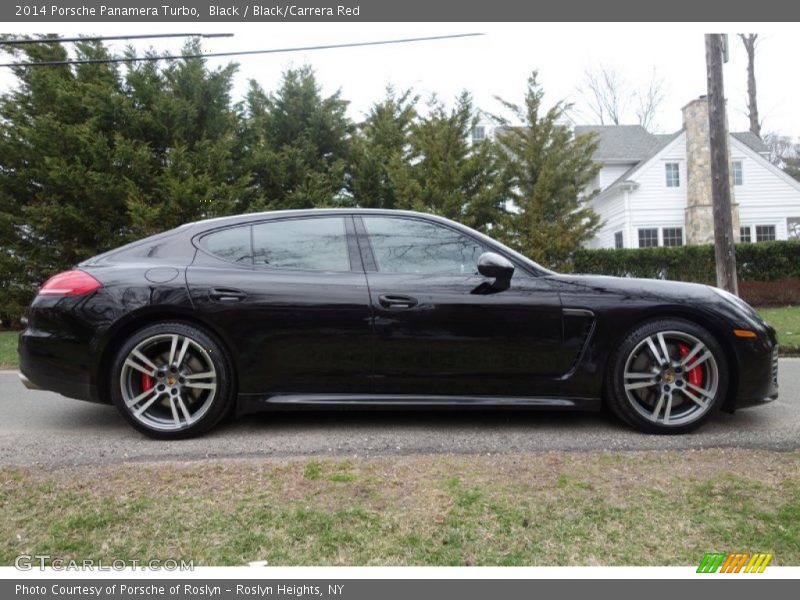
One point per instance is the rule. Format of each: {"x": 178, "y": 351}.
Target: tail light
{"x": 69, "y": 283}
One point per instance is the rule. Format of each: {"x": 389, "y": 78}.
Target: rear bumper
{"x": 27, "y": 382}
{"x": 56, "y": 364}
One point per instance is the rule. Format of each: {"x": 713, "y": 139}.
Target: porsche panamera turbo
{"x": 368, "y": 308}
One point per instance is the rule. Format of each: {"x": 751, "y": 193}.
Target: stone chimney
{"x": 699, "y": 204}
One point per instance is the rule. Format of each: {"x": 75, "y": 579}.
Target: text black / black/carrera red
{"x": 381, "y": 308}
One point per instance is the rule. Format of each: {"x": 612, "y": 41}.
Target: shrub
{"x": 769, "y": 272}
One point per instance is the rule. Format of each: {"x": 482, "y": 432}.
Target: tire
{"x": 172, "y": 381}
{"x": 671, "y": 396}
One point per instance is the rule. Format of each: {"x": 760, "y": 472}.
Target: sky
{"x": 499, "y": 62}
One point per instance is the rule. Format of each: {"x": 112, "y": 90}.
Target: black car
{"x": 381, "y": 308}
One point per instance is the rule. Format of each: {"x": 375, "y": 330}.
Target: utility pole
{"x": 724, "y": 251}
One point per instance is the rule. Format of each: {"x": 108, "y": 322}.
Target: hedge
{"x": 769, "y": 272}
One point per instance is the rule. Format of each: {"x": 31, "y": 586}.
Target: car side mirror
{"x": 491, "y": 264}
{"x": 499, "y": 268}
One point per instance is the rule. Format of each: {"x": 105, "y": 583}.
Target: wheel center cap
{"x": 668, "y": 376}
{"x": 171, "y": 380}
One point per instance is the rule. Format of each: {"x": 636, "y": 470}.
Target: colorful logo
{"x": 734, "y": 562}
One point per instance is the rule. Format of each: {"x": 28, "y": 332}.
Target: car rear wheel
{"x": 668, "y": 376}
{"x": 171, "y": 381}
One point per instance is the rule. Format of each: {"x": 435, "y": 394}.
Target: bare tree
{"x": 608, "y": 97}
{"x": 780, "y": 147}
{"x": 604, "y": 91}
{"x": 749, "y": 41}
{"x": 648, "y": 100}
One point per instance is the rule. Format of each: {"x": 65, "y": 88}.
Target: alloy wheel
{"x": 168, "y": 382}
{"x": 671, "y": 378}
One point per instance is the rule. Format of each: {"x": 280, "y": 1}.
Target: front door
{"x": 438, "y": 331}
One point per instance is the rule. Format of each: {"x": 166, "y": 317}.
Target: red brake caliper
{"x": 147, "y": 382}
{"x": 695, "y": 376}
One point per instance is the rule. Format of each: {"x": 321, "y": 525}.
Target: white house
{"x": 655, "y": 190}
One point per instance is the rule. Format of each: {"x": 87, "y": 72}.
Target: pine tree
{"x": 61, "y": 199}
{"x": 381, "y": 147}
{"x": 296, "y": 144}
{"x": 549, "y": 170}
{"x": 182, "y": 150}
{"x": 91, "y": 159}
{"x": 446, "y": 174}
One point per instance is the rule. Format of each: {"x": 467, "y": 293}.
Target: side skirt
{"x": 251, "y": 403}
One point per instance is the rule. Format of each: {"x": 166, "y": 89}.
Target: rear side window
{"x": 230, "y": 244}
{"x": 317, "y": 244}
{"x": 412, "y": 246}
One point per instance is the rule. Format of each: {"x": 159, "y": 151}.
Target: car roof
{"x": 304, "y": 212}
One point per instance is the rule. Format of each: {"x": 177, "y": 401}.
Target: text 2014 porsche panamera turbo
{"x": 381, "y": 308}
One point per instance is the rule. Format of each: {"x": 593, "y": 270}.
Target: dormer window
{"x": 478, "y": 133}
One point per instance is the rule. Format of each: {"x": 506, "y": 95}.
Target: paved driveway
{"x": 44, "y": 428}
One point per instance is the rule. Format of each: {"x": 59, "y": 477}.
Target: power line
{"x": 90, "y": 61}
{"x": 22, "y": 41}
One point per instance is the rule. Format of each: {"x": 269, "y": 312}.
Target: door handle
{"x": 393, "y": 301}
{"x": 227, "y": 295}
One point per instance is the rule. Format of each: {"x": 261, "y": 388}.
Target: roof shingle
{"x": 623, "y": 143}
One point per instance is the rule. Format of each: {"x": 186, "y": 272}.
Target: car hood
{"x": 698, "y": 296}
{"x": 646, "y": 288}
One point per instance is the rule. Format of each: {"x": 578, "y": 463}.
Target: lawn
{"x": 8, "y": 349}
{"x": 786, "y": 321}
{"x": 645, "y": 508}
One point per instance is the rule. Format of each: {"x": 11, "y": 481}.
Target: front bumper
{"x": 758, "y": 371}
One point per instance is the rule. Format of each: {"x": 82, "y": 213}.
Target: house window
{"x": 648, "y": 238}
{"x": 618, "y": 240}
{"x": 673, "y": 173}
{"x": 744, "y": 235}
{"x": 765, "y": 233}
{"x": 738, "y": 175}
{"x": 478, "y": 133}
{"x": 672, "y": 236}
{"x": 793, "y": 228}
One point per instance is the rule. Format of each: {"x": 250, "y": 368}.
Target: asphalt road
{"x": 42, "y": 428}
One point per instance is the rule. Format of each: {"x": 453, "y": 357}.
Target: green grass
{"x": 8, "y": 349}
{"x": 786, "y": 321}
{"x": 649, "y": 508}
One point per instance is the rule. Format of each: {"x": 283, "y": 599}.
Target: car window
{"x": 413, "y": 246}
{"x": 229, "y": 244}
{"x": 318, "y": 244}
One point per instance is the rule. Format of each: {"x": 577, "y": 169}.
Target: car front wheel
{"x": 668, "y": 376}
{"x": 172, "y": 380}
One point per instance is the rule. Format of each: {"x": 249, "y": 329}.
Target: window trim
{"x": 668, "y": 164}
{"x": 474, "y": 130}
{"x": 355, "y": 266}
{"x": 491, "y": 245}
{"x": 774, "y": 233}
{"x": 741, "y": 172}
{"x": 749, "y": 234}
{"x": 664, "y": 237}
{"x": 639, "y": 236}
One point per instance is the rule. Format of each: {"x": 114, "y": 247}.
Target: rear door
{"x": 290, "y": 297}
{"x": 437, "y": 330}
